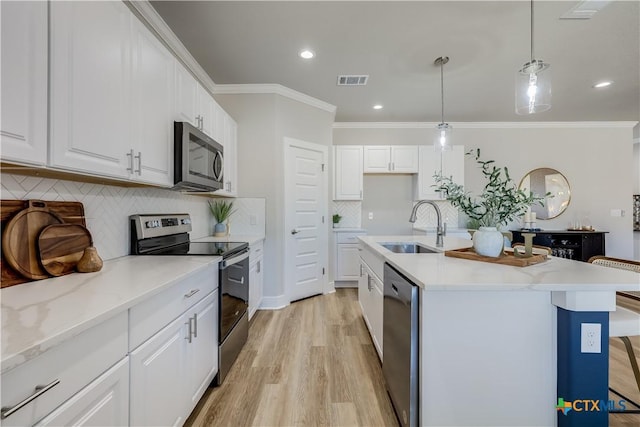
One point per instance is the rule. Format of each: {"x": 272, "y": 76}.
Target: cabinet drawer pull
{"x": 40, "y": 390}
{"x": 191, "y": 293}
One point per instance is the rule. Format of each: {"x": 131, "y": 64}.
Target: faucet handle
{"x": 444, "y": 229}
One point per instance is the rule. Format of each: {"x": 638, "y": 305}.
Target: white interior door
{"x": 306, "y": 243}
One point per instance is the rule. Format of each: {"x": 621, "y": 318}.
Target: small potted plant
{"x": 221, "y": 211}
{"x": 336, "y": 220}
{"x": 499, "y": 203}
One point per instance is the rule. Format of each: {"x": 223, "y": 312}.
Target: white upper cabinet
{"x": 153, "y": 80}
{"x": 390, "y": 159}
{"x": 230, "y": 144}
{"x": 111, "y": 94}
{"x": 186, "y": 96}
{"x": 90, "y": 68}
{"x": 348, "y": 172}
{"x": 452, "y": 164}
{"x": 23, "y": 125}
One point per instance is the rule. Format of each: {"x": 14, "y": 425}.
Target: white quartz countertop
{"x": 249, "y": 238}
{"x": 349, "y": 230}
{"x": 437, "y": 272}
{"x": 41, "y": 314}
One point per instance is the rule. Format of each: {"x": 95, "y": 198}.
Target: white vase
{"x": 488, "y": 241}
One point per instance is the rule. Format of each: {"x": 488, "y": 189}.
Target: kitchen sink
{"x": 408, "y": 248}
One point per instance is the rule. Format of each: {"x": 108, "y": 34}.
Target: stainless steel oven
{"x": 168, "y": 235}
{"x": 234, "y": 313}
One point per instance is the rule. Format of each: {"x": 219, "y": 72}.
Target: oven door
{"x": 234, "y": 283}
{"x": 198, "y": 161}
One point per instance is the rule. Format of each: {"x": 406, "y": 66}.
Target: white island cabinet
{"x": 487, "y": 331}
{"x": 134, "y": 344}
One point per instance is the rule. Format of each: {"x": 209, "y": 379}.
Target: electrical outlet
{"x": 370, "y": 215}
{"x": 590, "y": 337}
{"x": 253, "y": 220}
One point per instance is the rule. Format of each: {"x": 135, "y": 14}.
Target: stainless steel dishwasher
{"x": 400, "y": 344}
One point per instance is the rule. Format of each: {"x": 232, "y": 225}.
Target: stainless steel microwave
{"x": 198, "y": 159}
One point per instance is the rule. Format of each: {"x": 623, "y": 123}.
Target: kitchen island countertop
{"x": 437, "y": 272}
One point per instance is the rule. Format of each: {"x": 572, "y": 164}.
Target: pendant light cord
{"x": 442, "y": 88}
{"x": 531, "y": 31}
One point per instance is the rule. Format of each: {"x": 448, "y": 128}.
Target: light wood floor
{"x": 313, "y": 363}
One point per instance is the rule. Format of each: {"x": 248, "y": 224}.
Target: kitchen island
{"x": 499, "y": 345}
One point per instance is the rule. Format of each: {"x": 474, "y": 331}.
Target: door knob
{"x": 294, "y": 231}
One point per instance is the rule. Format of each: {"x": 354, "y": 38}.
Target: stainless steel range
{"x": 168, "y": 234}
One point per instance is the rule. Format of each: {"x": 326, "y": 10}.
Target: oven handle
{"x": 234, "y": 259}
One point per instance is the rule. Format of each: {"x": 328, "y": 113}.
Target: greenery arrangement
{"x": 336, "y": 218}
{"x": 221, "y": 210}
{"x": 500, "y": 201}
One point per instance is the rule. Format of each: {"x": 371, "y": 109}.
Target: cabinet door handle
{"x": 393, "y": 166}
{"x": 40, "y": 390}
{"x": 130, "y": 156}
{"x": 139, "y": 157}
{"x": 258, "y": 268}
{"x": 191, "y": 293}
{"x": 195, "y": 325}
{"x": 389, "y": 166}
{"x": 190, "y": 331}
{"x": 360, "y": 194}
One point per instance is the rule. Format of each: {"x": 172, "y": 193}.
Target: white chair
{"x": 623, "y": 323}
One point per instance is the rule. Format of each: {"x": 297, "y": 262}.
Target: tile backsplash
{"x": 107, "y": 208}
{"x": 351, "y": 213}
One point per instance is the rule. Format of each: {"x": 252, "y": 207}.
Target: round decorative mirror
{"x": 545, "y": 180}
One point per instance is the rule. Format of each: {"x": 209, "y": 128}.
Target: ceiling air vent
{"x": 352, "y": 80}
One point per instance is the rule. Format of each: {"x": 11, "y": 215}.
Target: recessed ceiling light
{"x": 377, "y": 107}
{"x": 307, "y": 54}
{"x": 602, "y": 84}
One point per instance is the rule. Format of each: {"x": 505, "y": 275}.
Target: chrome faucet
{"x": 439, "y": 230}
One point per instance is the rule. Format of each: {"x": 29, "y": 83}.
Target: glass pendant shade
{"x": 442, "y": 137}
{"x": 533, "y": 88}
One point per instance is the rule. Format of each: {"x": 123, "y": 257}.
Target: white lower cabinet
{"x": 347, "y": 258}
{"x": 171, "y": 370}
{"x": 256, "y": 279}
{"x": 70, "y": 371}
{"x": 371, "y": 296}
{"x": 104, "y": 402}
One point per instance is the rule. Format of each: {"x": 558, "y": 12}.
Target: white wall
{"x": 264, "y": 120}
{"x": 390, "y": 199}
{"x": 595, "y": 158}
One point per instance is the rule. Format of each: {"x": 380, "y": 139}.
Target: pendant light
{"x": 442, "y": 140}
{"x": 533, "y": 84}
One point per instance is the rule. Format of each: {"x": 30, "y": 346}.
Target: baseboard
{"x": 345, "y": 284}
{"x": 273, "y": 303}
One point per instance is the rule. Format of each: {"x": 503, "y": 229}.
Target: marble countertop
{"x": 41, "y": 314}
{"x": 437, "y": 272}
{"x": 250, "y": 239}
{"x": 349, "y": 230}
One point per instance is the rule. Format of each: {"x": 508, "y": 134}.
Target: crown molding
{"x": 274, "y": 89}
{"x": 154, "y": 21}
{"x": 484, "y": 125}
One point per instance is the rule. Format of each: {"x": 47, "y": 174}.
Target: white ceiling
{"x": 396, "y": 42}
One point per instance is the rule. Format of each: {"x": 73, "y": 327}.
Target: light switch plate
{"x": 590, "y": 337}
{"x": 370, "y": 215}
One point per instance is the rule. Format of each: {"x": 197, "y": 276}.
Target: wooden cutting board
{"x": 61, "y": 246}
{"x": 20, "y": 239}
{"x": 69, "y": 212}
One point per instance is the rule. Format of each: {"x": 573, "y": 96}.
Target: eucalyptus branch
{"x": 500, "y": 201}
